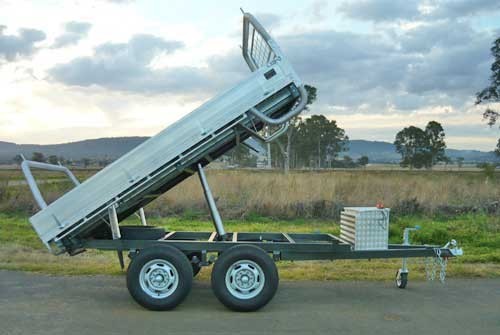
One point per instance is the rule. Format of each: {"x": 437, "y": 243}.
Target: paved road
{"x": 38, "y": 304}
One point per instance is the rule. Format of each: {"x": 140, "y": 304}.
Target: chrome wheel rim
{"x": 159, "y": 278}
{"x": 245, "y": 279}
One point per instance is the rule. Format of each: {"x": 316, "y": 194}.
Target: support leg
{"x": 219, "y": 226}
{"x": 113, "y": 222}
{"x": 142, "y": 216}
{"x": 406, "y": 241}
{"x": 115, "y": 232}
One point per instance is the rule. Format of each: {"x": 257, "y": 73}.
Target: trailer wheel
{"x": 159, "y": 278}
{"x": 244, "y": 278}
{"x": 401, "y": 279}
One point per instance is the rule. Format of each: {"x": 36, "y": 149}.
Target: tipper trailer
{"x": 163, "y": 263}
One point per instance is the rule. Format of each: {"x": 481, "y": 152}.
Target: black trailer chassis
{"x": 244, "y": 277}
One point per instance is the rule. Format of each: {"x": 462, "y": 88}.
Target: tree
{"x": 497, "y": 150}
{"x": 53, "y": 159}
{"x": 435, "y": 135}
{"x": 460, "y": 162}
{"x": 286, "y": 149}
{"x": 363, "y": 161}
{"x": 421, "y": 148}
{"x": 319, "y": 140}
{"x": 491, "y": 94}
{"x": 413, "y": 145}
{"x": 38, "y": 157}
{"x": 241, "y": 156}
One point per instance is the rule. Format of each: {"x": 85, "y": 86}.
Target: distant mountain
{"x": 385, "y": 152}
{"x": 112, "y": 148}
{"x": 109, "y": 148}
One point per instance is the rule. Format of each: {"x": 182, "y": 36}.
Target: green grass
{"x": 16, "y": 174}
{"x": 478, "y": 234}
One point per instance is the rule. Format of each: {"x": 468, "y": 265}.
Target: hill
{"x": 385, "y": 152}
{"x": 112, "y": 148}
{"x": 101, "y": 148}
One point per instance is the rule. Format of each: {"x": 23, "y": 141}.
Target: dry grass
{"x": 304, "y": 194}
{"x": 256, "y": 194}
{"x": 322, "y": 194}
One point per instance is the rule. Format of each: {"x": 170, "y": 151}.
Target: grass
{"x": 301, "y": 194}
{"x": 479, "y": 234}
{"x": 459, "y": 204}
{"x": 15, "y": 174}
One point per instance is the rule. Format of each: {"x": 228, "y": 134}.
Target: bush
{"x": 407, "y": 207}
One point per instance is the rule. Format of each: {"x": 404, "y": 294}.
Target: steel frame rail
{"x": 283, "y": 246}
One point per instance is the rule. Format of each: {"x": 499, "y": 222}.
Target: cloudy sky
{"x": 72, "y": 70}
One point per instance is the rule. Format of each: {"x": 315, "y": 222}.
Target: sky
{"x": 74, "y": 70}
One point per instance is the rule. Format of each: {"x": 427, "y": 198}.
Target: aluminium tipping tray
{"x": 270, "y": 95}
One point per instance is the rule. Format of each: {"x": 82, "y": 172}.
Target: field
{"x": 304, "y": 194}
{"x": 461, "y": 205}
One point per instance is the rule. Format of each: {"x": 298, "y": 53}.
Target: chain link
{"x": 430, "y": 268}
{"x": 432, "y": 264}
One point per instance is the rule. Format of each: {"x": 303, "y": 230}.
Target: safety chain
{"x": 432, "y": 264}
{"x": 430, "y": 268}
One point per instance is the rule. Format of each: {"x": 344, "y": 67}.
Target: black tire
{"x": 233, "y": 263}
{"x": 141, "y": 232}
{"x": 168, "y": 262}
{"x": 196, "y": 267}
{"x": 401, "y": 279}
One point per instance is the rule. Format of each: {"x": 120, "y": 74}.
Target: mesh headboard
{"x": 258, "y": 47}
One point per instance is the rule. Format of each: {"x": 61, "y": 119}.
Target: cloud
{"x": 21, "y": 45}
{"x": 78, "y": 27}
{"x": 125, "y": 66}
{"x": 462, "y": 8}
{"x": 380, "y": 10}
{"x": 348, "y": 69}
{"x": 440, "y": 63}
{"x": 414, "y": 10}
{"x": 432, "y": 64}
{"x": 436, "y": 63}
{"x": 318, "y": 8}
{"x": 461, "y": 70}
{"x": 74, "y": 32}
{"x": 449, "y": 33}
{"x": 120, "y": 2}
{"x": 268, "y": 20}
